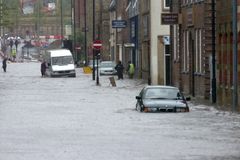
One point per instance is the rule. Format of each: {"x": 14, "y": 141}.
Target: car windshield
{"x": 162, "y": 93}
{"x": 107, "y": 64}
{"x": 62, "y": 60}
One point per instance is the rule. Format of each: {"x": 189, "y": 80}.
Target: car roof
{"x": 161, "y": 86}
{"x": 107, "y": 62}
{"x": 60, "y": 52}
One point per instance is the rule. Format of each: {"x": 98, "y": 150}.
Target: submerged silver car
{"x": 161, "y": 99}
{"x": 107, "y": 68}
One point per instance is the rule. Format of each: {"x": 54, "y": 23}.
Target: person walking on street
{"x": 11, "y": 43}
{"x": 130, "y": 69}
{"x": 119, "y": 68}
{"x": 43, "y": 68}
{"x": 4, "y": 64}
{"x": 14, "y": 53}
{"x": 16, "y": 44}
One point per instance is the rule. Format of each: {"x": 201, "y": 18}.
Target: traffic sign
{"x": 97, "y": 44}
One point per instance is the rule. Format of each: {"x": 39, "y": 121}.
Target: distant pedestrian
{"x": 16, "y": 43}
{"x": 14, "y": 53}
{"x": 43, "y": 68}
{"x": 119, "y": 68}
{"x": 4, "y": 64}
{"x": 130, "y": 69}
{"x": 11, "y": 43}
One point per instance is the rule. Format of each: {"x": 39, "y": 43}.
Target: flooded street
{"x": 73, "y": 119}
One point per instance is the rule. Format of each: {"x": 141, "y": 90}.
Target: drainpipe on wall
{"x": 213, "y": 54}
{"x": 235, "y": 56}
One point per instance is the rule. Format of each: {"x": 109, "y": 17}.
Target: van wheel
{"x": 74, "y": 75}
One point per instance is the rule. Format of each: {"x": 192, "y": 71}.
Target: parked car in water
{"x": 107, "y": 68}
{"x": 161, "y": 99}
{"x": 90, "y": 63}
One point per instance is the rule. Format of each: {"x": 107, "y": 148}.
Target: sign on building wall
{"x": 166, "y": 40}
{"x": 169, "y": 18}
{"x": 119, "y": 24}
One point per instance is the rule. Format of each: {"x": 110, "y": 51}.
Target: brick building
{"x": 224, "y": 36}
{"x": 192, "y": 47}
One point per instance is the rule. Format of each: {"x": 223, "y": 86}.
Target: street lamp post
{"x": 61, "y": 12}
{"x": 98, "y": 56}
{"x": 73, "y": 9}
{"x": 85, "y": 31}
{"x": 1, "y": 15}
{"x": 93, "y": 51}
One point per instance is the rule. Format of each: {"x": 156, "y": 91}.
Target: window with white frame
{"x": 146, "y": 5}
{"x": 184, "y": 51}
{"x": 175, "y": 42}
{"x": 198, "y": 50}
{"x": 145, "y": 25}
{"x": 133, "y": 33}
{"x": 184, "y": 2}
{"x": 187, "y": 52}
{"x": 166, "y": 4}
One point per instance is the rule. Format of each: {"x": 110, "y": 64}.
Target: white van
{"x": 59, "y": 63}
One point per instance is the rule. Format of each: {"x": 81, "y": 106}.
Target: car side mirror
{"x": 138, "y": 97}
{"x": 188, "y": 98}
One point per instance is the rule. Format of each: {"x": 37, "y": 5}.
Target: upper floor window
{"x": 146, "y": 5}
{"x": 187, "y": 2}
{"x": 166, "y": 4}
{"x": 145, "y": 25}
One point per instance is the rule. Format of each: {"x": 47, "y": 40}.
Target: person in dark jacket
{"x": 43, "y": 68}
{"x": 4, "y": 64}
{"x": 119, "y": 68}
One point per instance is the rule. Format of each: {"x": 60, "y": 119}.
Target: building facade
{"x": 201, "y": 57}
{"x": 125, "y": 40}
{"x": 192, "y": 47}
{"x": 143, "y": 41}
{"x": 159, "y": 37}
{"x": 224, "y": 39}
